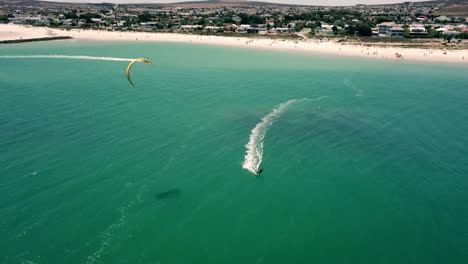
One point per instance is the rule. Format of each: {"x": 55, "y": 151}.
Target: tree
{"x": 128, "y": 23}
{"x": 382, "y": 19}
{"x": 145, "y": 17}
{"x": 298, "y": 27}
{"x": 463, "y": 35}
{"x": 70, "y": 15}
{"x": 432, "y": 33}
{"x": 244, "y": 18}
{"x": 228, "y": 20}
{"x": 257, "y": 20}
{"x": 200, "y": 22}
{"x": 88, "y": 17}
{"x": 364, "y": 30}
{"x": 3, "y": 19}
{"x": 351, "y": 30}
{"x": 406, "y": 33}
{"x": 335, "y": 30}
{"x": 251, "y": 19}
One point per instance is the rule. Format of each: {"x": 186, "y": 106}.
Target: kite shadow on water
{"x": 169, "y": 194}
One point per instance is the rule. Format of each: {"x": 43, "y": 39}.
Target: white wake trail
{"x": 254, "y": 152}
{"x": 63, "y": 57}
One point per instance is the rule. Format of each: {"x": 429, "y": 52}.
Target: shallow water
{"x": 373, "y": 173}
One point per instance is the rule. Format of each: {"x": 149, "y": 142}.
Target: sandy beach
{"x": 12, "y": 32}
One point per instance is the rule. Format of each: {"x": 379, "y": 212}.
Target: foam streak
{"x": 254, "y": 152}
{"x": 63, "y": 57}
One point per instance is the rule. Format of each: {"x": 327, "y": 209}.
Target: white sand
{"x": 10, "y": 32}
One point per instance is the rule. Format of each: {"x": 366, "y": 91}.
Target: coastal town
{"x": 410, "y": 20}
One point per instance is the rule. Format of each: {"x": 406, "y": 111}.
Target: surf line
{"x": 254, "y": 148}
{"x": 63, "y": 57}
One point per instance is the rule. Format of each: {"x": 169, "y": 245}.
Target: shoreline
{"x": 18, "y": 32}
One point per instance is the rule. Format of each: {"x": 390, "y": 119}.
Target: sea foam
{"x": 63, "y": 57}
{"x": 254, "y": 152}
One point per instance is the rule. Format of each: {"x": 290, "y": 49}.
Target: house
{"x": 211, "y": 29}
{"x": 450, "y": 33}
{"x": 384, "y": 28}
{"x": 230, "y": 28}
{"x": 417, "y": 31}
{"x": 103, "y": 23}
{"x": 270, "y": 22}
{"x": 214, "y": 19}
{"x": 253, "y": 30}
{"x": 282, "y": 30}
{"x": 236, "y": 18}
{"x": 190, "y": 27}
{"x": 397, "y": 32}
{"x": 422, "y": 18}
{"x": 325, "y": 29}
{"x": 243, "y": 28}
{"x": 29, "y": 20}
{"x": 150, "y": 24}
{"x": 443, "y": 19}
{"x": 68, "y": 22}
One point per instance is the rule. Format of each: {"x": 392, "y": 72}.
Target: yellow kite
{"x": 127, "y": 72}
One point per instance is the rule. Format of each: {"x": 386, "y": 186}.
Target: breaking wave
{"x": 63, "y": 57}
{"x": 254, "y": 152}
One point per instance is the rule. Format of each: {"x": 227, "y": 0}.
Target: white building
{"x": 190, "y": 27}
{"x": 450, "y": 33}
{"x": 282, "y": 30}
{"x": 417, "y": 30}
{"x": 243, "y": 28}
{"x": 397, "y": 32}
{"x": 150, "y": 24}
{"x": 212, "y": 29}
{"x": 384, "y": 28}
{"x": 325, "y": 29}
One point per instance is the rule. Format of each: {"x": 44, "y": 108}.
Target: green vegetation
{"x": 364, "y": 30}
{"x": 251, "y": 19}
{"x": 145, "y": 17}
{"x": 71, "y": 14}
{"x": 88, "y": 17}
{"x": 3, "y": 19}
{"x": 360, "y": 29}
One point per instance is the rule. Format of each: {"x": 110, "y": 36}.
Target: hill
{"x": 217, "y": 4}
{"x": 454, "y": 8}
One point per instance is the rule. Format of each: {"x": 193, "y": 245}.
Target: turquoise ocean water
{"x": 372, "y": 169}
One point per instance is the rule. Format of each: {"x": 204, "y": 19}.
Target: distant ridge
{"x": 454, "y": 8}
{"x": 450, "y": 7}
{"x": 189, "y": 4}
{"x": 216, "y": 4}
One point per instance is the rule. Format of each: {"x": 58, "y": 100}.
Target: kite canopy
{"x": 129, "y": 67}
